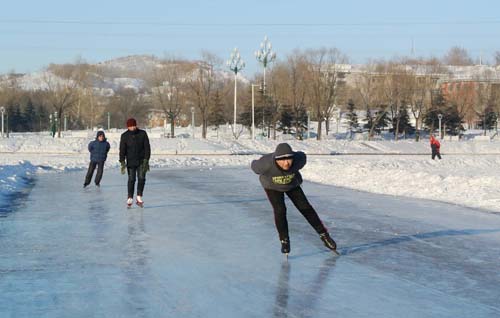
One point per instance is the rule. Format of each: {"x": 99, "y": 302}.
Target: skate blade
{"x": 335, "y": 252}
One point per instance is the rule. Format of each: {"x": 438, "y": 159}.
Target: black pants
{"x": 90, "y": 172}
{"x": 436, "y": 153}
{"x": 141, "y": 176}
{"x": 299, "y": 199}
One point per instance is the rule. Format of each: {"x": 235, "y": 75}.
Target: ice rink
{"x": 205, "y": 246}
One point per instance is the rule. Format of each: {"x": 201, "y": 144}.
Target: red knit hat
{"x": 131, "y": 122}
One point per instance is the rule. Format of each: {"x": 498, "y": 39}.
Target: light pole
{"x": 339, "y": 115}
{"x": 308, "y": 124}
{"x": 2, "y": 110}
{"x": 109, "y": 121}
{"x": 440, "y": 116}
{"x": 235, "y": 64}
{"x": 265, "y": 56}
{"x": 56, "y": 122}
{"x": 253, "y": 110}
{"x": 192, "y": 119}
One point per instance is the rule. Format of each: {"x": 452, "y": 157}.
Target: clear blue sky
{"x": 35, "y": 33}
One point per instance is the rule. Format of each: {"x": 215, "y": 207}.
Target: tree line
{"x": 315, "y": 84}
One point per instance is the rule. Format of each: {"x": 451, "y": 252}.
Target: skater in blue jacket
{"x": 98, "y": 149}
{"x": 279, "y": 174}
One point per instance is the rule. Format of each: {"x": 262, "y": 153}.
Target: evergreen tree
{"x": 404, "y": 122}
{"x": 488, "y": 119}
{"x": 352, "y": 117}
{"x": 30, "y": 116}
{"x": 383, "y": 122}
{"x": 368, "y": 118}
{"x": 286, "y": 120}
{"x": 217, "y": 116}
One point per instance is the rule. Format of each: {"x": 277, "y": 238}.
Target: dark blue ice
{"x": 205, "y": 246}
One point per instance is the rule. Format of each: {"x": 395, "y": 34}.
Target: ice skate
{"x": 129, "y": 202}
{"x": 329, "y": 242}
{"x": 139, "y": 201}
{"x": 285, "y": 246}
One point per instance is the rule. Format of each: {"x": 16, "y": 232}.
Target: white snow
{"x": 467, "y": 175}
{"x": 14, "y": 179}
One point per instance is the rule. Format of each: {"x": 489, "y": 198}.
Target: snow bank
{"x": 465, "y": 175}
{"x": 14, "y": 180}
{"x": 465, "y": 180}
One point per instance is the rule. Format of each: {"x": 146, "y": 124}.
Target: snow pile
{"x": 14, "y": 180}
{"x": 464, "y": 176}
{"x": 468, "y": 181}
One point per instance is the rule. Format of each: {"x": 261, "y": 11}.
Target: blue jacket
{"x": 99, "y": 149}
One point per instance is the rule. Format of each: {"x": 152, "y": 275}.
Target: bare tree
{"x": 457, "y": 56}
{"x": 168, "y": 88}
{"x": 291, "y": 86}
{"x": 497, "y": 58}
{"x": 63, "y": 85}
{"x": 203, "y": 84}
{"x": 128, "y": 103}
{"x": 325, "y": 67}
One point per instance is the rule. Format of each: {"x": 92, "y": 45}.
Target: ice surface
{"x": 205, "y": 246}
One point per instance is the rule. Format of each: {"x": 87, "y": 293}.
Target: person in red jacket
{"x": 435, "y": 147}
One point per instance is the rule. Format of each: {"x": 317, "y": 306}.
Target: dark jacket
{"x": 99, "y": 149}
{"x": 272, "y": 177}
{"x": 134, "y": 146}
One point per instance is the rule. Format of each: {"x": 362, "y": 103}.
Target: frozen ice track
{"x": 205, "y": 246}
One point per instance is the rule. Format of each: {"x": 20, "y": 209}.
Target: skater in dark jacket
{"x": 135, "y": 152}
{"x": 435, "y": 147}
{"x": 279, "y": 174}
{"x": 98, "y": 149}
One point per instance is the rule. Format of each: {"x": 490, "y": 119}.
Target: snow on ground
{"x": 467, "y": 175}
{"x": 14, "y": 179}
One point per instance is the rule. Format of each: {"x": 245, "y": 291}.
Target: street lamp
{"x": 56, "y": 123}
{"x": 235, "y": 64}
{"x": 253, "y": 109}
{"x": 440, "y": 116}
{"x": 2, "y": 110}
{"x": 339, "y": 115}
{"x": 265, "y": 56}
{"x": 192, "y": 120}
{"x": 308, "y": 124}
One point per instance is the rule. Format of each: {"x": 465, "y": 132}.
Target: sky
{"x": 36, "y": 33}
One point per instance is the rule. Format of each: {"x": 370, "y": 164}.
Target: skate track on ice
{"x": 205, "y": 246}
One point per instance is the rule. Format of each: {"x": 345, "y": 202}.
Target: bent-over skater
{"x": 279, "y": 174}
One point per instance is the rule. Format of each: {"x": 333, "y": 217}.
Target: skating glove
{"x": 145, "y": 165}
{"x": 123, "y": 167}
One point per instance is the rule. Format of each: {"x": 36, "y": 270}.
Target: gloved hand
{"x": 145, "y": 165}
{"x": 123, "y": 167}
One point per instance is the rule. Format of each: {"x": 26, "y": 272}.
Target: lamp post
{"x": 2, "y": 110}
{"x": 56, "y": 123}
{"x": 192, "y": 119}
{"x": 235, "y": 64}
{"x": 253, "y": 110}
{"x": 339, "y": 115}
{"x": 265, "y": 56}
{"x": 308, "y": 124}
{"x": 109, "y": 121}
{"x": 440, "y": 116}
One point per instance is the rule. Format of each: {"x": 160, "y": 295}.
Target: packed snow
{"x": 467, "y": 174}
